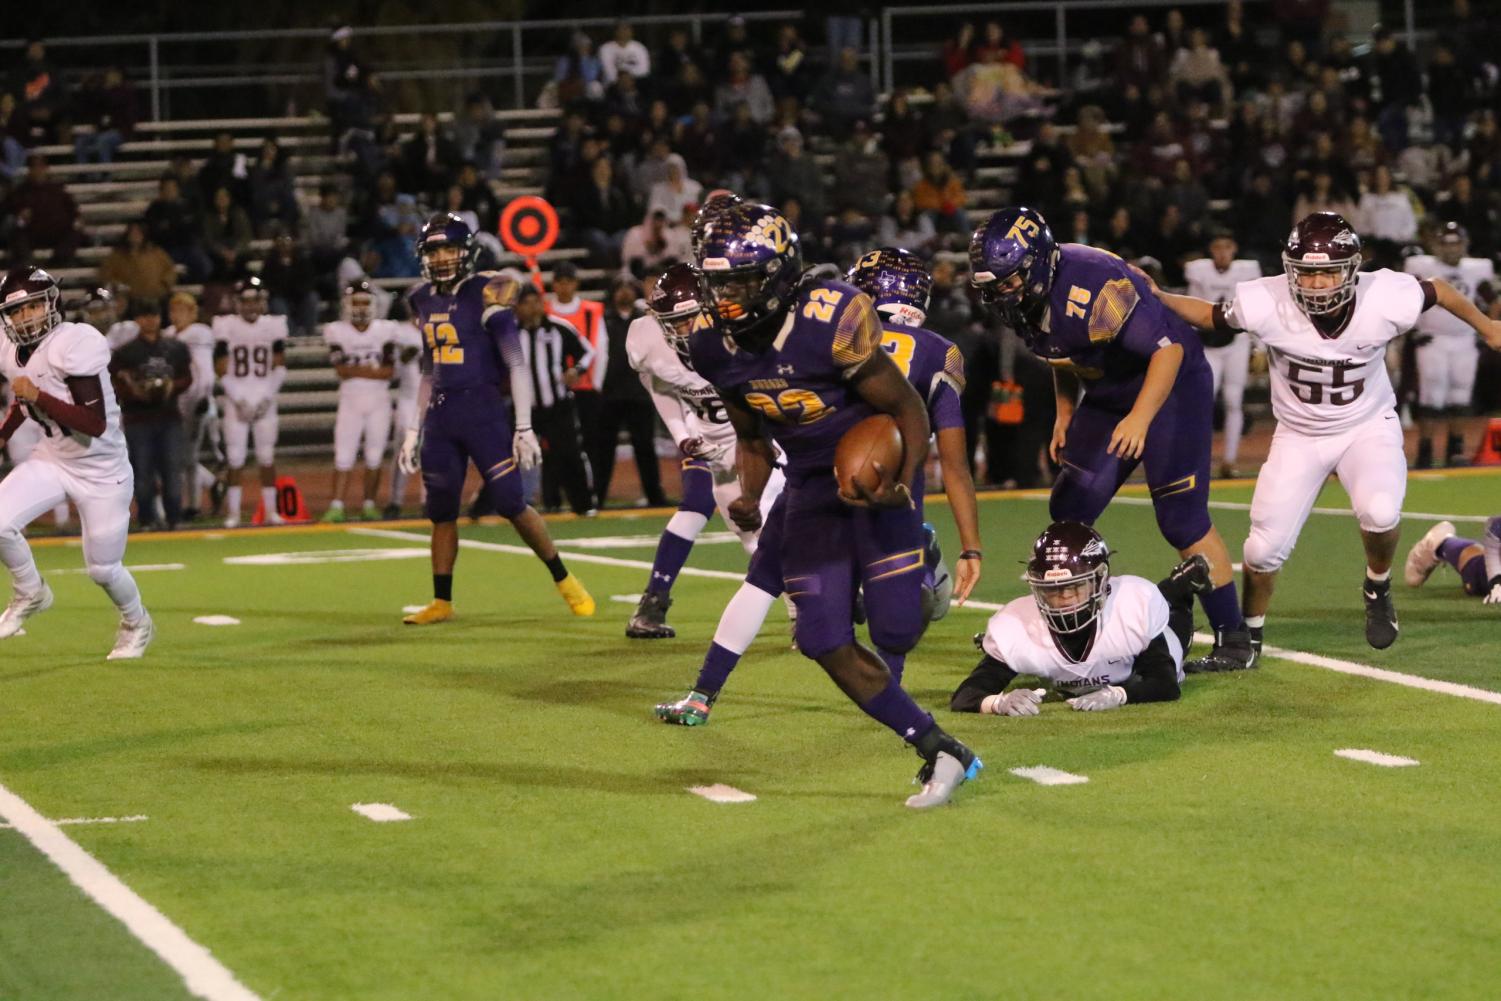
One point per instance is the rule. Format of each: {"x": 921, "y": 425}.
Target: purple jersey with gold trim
{"x": 935, "y": 368}
{"x": 800, "y": 384}
{"x": 469, "y": 334}
{"x": 1103, "y": 323}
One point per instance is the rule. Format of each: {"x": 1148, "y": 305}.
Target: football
{"x": 874, "y": 440}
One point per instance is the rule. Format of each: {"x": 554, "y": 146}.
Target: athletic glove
{"x": 1017, "y": 702}
{"x": 1109, "y": 697}
{"x": 410, "y": 456}
{"x": 261, "y": 409}
{"x": 1494, "y": 598}
{"x": 700, "y": 448}
{"x": 526, "y": 448}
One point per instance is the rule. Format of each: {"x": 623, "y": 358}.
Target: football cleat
{"x": 650, "y": 620}
{"x": 436, "y": 610}
{"x": 578, "y": 599}
{"x": 23, "y": 607}
{"x": 1423, "y": 559}
{"x": 950, "y": 767}
{"x": 369, "y": 512}
{"x": 391, "y": 512}
{"x": 233, "y": 521}
{"x": 132, "y": 640}
{"x": 1257, "y": 632}
{"x": 333, "y": 516}
{"x": 1228, "y": 472}
{"x": 690, "y": 710}
{"x": 1233, "y": 651}
{"x": 1380, "y": 614}
{"x": 936, "y": 601}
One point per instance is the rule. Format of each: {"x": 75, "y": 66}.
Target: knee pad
{"x": 897, "y": 637}
{"x": 1261, "y": 554}
{"x": 441, "y": 501}
{"x": 103, "y": 574}
{"x": 1382, "y": 513}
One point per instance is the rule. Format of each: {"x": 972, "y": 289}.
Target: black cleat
{"x": 1256, "y": 634}
{"x": 1190, "y": 577}
{"x": 1233, "y": 650}
{"x": 1380, "y": 615}
{"x": 391, "y": 512}
{"x": 650, "y": 620}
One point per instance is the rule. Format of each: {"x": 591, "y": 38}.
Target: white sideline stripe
{"x": 311, "y": 557}
{"x": 1043, "y": 775}
{"x": 1339, "y": 511}
{"x": 216, "y": 620}
{"x": 496, "y": 547}
{"x": 649, "y": 541}
{"x": 1375, "y": 757}
{"x": 721, "y": 793}
{"x": 626, "y": 599}
{"x": 1374, "y": 673}
{"x": 138, "y": 568}
{"x": 203, "y": 975}
{"x": 134, "y": 818}
{"x": 381, "y": 813}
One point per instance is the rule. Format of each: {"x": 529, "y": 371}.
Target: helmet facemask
{"x": 27, "y": 330}
{"x": 1321, "y": 301}
{"x": 1069, "y": 602}
{"x": 359, "y": 309}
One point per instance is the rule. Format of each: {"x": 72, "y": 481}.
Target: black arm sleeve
{"x": 221, "y": 350}
{"x": 990, "y": 677}
{"x": 1154, "y": 675}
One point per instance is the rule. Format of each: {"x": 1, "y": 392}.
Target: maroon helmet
{"x": 1322, "y": 242}
{"x": 23, "y": 286}
{"x": 359, "y": 302}
{"x": 677, "y": 300}
{"x": 1067, "y": 573}
{"x": 1451, "y": 243}
{"x": 715, "y": 204}
{"x": 250, "y": 298}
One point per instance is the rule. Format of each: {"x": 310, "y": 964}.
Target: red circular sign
{"x": 529, "y": 226}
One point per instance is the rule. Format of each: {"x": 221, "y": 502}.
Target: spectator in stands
{"x": 12, "y": 138}
{"x": 844, "y": 96}
{"x": 107, "y": 104}
{"x": 624, "y": 98}
{"x": 1175, "y": 37}
{"x": 392, "y": 226}
{"x": 1187, "y": 192}
{"x": 172, "y": 225}
{"x": 480, "y": 139}
{"x": 1401, "y": 85}
{"x": 1258, "y": 218}
{"x": 650, "y": 246}
{"x": 1139, "y": 59}
{"x": 1197, "y": 72}
{"x": 42, "y": 94}
{"x": 1040, "y": 173}
{"x": 668, "y": 65}
{"x": 994, "y": 43}
{"x": 742, "y": 148}
{"x": 1451, "y": 93}
{"x": 149, "y": 374}
{"x": 795, "y": 175}
{"x": 1122, "y": 236}
{"x": 690, "y": 88}
{"x": 346, "y": 83}
{"x": 224, "y": 168}
{"x": 273, "y": 192}
{"x": 904, "y": 226}
{"x": 578, "y": 73}
{"x": 736, "y": 41}
{"x": 428, "y": 160}
{"x": 1238, "y": 50}
{"x": 1158, "y": 151}
{"x": 624, "y": 403}
{"x": 624, "y": 54}
{"x": 905, "y": 137}
{"x": 226, "y": 236}
{"x": 1321, "y": 195}
{"x": 941, "y": 194}
{"x": 790, "y": 74}
{"x": 743, "y": 86}
{"x": 325, "y": 231}
{"x": 478, "y": 198}
{"x": 1093, "y": 151}
{"x": 861, "y": 173}
{"x": 959, "y": 50}
{"x": 601, "y": 214}
{"x": 139, "y": 265}
{"x": 43, "y": 216}
{"x": 698, "y": 137}
{"x": 1461, "y": 204}
{"x": 995, "y": 92}
{"x": 1172, "y": 242}
{"x": 676, "y": 191}
{"x": 1386, "y": 218}
{"x": 290, "y": 285}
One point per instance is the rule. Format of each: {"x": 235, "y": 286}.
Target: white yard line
{"x": 313, "y": 557}
{"x": 138, "y": 568}
{"x": 648, "y": 541}
{"x": 381, "y": 813}
{"x": 1375, "y": 757}
{"x": 216, "y": 620}
{"x": 71, "y": 821}
{"x": 626, "y": 599}
{"x": 202, "y": 974}
{"x": 721, "y": 793}
{"x": 1338, "y": 511}
{"x": 1044, "y": 775}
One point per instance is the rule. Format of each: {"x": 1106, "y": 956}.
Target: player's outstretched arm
{"x": 959, "y": 486}
{"x": 881, "y": 384}
{"x": 1462, "y": 306}
{"x": 984, "y": 691}
{"x": 754, "y": 460}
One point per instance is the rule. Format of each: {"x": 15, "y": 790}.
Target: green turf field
{"x": 1219, "y": 849}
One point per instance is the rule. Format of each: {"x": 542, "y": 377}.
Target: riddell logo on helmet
{"x": 1316, "y": 257}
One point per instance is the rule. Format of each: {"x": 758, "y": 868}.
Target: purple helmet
{"x": 1013, "y": 241}
{"x": 751, "y": 263}
{"x": 897, "y": 281}
{"x": 1067, "y": 573}
{"x": 446, "y": 230}
{"x": 1321, "y": 242}
{"x": 715, "y": 204}
{"x": 22, "y": 286}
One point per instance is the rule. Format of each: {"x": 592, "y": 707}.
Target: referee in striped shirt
{"x": 558, "y": 358}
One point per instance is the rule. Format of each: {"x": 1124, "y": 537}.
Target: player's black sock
{"x": 443, "y": 586}
{"x": 556, "y": 568}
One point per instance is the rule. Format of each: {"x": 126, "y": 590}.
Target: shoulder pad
{"x": 858, "y": 331}
{"x": 501, "y": 291}
{"x": 1113, "y": 306}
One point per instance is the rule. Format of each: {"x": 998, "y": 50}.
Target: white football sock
{"x": 742, "y": 618}
{"x": 122, "y": 590}
{"x": 16, "y": 555}
{"x": 232, "y": 502}
{"x": 1377, "y": 577}
{"x": 268, "y": 501}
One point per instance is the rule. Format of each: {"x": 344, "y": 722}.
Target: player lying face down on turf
{"x": 1132, "y": 387}
{"x": 59, "y": 375}
{"x": 899, "y": 286}
{"x": 474, "y": 355}
{"x": 1100, "y": 641}
{"x": 1326, "y": 324}
{"x": 800, "y": 361}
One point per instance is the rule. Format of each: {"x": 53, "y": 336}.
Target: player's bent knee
{"x": 1381, "y": 513}
{"x": 104, "y": 574}
{"x": 897, "y": 638}
{"x": 1263, "y": 555}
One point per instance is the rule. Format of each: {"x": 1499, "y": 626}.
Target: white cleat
{"x": 941, "y": 778}
{"x": 132, "y": 640}
{"x": 272, "y": 518}
{"x": 233, "y": 521}
{"x": 23, "y": 607}
{"x": 1423, "y": 559}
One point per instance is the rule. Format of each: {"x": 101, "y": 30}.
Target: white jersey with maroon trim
{"x": 1326, "y": 385}
{"x": 688, "y": 403}
{"x": 251, "y": 352}
{"x": 71, "y": 349}
{"x": 1467, "y": 277}
{"x": 1205, "y": 281}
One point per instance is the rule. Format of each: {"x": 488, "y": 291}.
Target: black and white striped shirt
{"x": 551, "y": 349}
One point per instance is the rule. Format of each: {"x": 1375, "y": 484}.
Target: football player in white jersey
{"x": 408, "y": 384}
{"x": 21, "y": 444}
{"x": 59, "y": 373}
{"x": 690, "y": 407}
{"x": 102, "y": 312}
{"x": 1326, "y": 325}
{"x": 363, "y": 352}
{"x": 200, "y": 418}
{"x": 1101, "y": 642}
{"x": 1229, "y": 354}
{"x": 250, "y": 359}
{"x": 1446, "y": 350}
